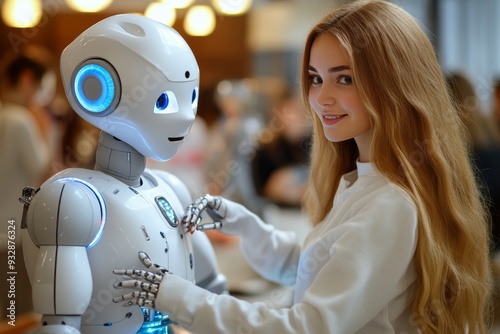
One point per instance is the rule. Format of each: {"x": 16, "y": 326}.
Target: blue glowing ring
{"x": 107, "y": 88}
{"x": 100, "y": 97}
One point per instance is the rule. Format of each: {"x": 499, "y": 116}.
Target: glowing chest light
{"x": 167, "y": 211}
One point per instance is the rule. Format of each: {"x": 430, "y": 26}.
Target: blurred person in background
{"x": 232, "y": 141}
{"x": 25, "y": 132}
{"x": 279, "y": 166}
{"x": 496, "y": 102}
{"x": 231, "y": 144}
{"x": 484, "y": 140}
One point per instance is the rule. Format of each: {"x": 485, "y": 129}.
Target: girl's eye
{"x": 314, "y": 79}
{"x": 346, "y": 80}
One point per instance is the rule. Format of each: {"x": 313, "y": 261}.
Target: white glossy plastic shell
{"x": 67, "y": 212}
{"x": 73, "y": 290}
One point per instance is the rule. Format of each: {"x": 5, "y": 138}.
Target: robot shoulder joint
{"x": 66, "y": 212}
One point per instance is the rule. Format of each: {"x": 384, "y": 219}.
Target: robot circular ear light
{"x": 96, "y": 87}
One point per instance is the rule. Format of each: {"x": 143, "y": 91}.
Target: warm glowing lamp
{"x": 22, "y": 13}
{"x": 232, "y": 7}
{"x": 199, "y": 21}
{"x": 161, "y": 12}
{"x": 89, "y": 6}
{"x": 178, "y": 3}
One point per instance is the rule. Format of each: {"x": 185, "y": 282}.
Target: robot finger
{"x": 209, "y": 226}
{"x": 147, "y": 275}
{"x": 140, "y": 302}
{"x": 157, "y": 269}
{"x": 145, "y": 259}
{"x": 152, "y": 277}
{"x": 190, "y": 222}
{"x": 194, "y": 210}
{"x": 128, "y": 272}
{"x": 189, "y": 227}
{"x": 135, "y": 295}
{"x": 120, "y": 272}
{"x": 145, "y": 286}
{"x": 192, "y": 215}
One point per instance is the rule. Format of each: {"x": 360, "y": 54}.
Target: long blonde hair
{"x": 419, "y": 144}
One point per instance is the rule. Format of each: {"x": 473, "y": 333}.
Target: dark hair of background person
{"x": 484, "y": 139}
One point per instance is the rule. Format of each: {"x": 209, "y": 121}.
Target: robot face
{"x": 135, "y": 79}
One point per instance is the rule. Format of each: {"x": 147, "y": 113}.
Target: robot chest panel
{"x": 135, "y": 221}
{"x": 143, "y": 221}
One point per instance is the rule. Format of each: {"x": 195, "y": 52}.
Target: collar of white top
{"x": 365, "y": 168}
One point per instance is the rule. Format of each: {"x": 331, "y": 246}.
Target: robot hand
{"x": 229, "y": 217}
{"x": 213, "y": 205}
{"x": 146, "y": 283}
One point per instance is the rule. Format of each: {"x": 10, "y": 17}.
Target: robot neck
{"x": 119, "y": 159}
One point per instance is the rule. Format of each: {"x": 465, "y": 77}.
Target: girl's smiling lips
{"x": 332, "y": 119}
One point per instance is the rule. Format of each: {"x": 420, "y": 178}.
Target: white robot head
{"x": 135, "y": 79}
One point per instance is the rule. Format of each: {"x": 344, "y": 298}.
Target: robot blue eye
{"x": 166, "y": 103}
{"x": 195, "y": 95}
{"x": 194, "y": 98}
{"x": 162, "y": 102}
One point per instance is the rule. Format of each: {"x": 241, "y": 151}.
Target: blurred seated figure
{"x": 279, "y": 167}
{"x": 232, "y": 142}
{"x": 485, "y": 146}
{"x": 496, "y": 102}
{"x": 24, "y": 157}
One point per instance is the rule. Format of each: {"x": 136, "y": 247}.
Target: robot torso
{"x": 145, "y": 218}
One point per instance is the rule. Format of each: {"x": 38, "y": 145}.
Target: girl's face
{"x": 334, "y": 96}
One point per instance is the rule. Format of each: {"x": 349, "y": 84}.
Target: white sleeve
{"x": 200, "y": 311}
{"x": 272, "y": 253}
{"x": 365, "y": 268}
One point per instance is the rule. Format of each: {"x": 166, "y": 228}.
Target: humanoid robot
{"x": 136, "y": 80}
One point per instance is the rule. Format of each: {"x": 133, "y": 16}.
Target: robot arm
{"x": 64, "y": 218}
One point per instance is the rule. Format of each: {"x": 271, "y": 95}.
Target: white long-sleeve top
{"x": 354, "y": 273}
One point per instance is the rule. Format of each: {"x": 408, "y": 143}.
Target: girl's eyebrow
{"x": 331, "y": 70}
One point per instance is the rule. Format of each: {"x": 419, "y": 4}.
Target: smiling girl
{"x": 399, "y": 240}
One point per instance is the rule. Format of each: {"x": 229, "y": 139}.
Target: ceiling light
{"x": 161, "y": 12}
{"x": 22, "y": 13}
{"x": 88, "y": 6}
{"x": 178, "y": 3}
{"x": 199, "y": 21}
{"x": 232, "y": 7}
